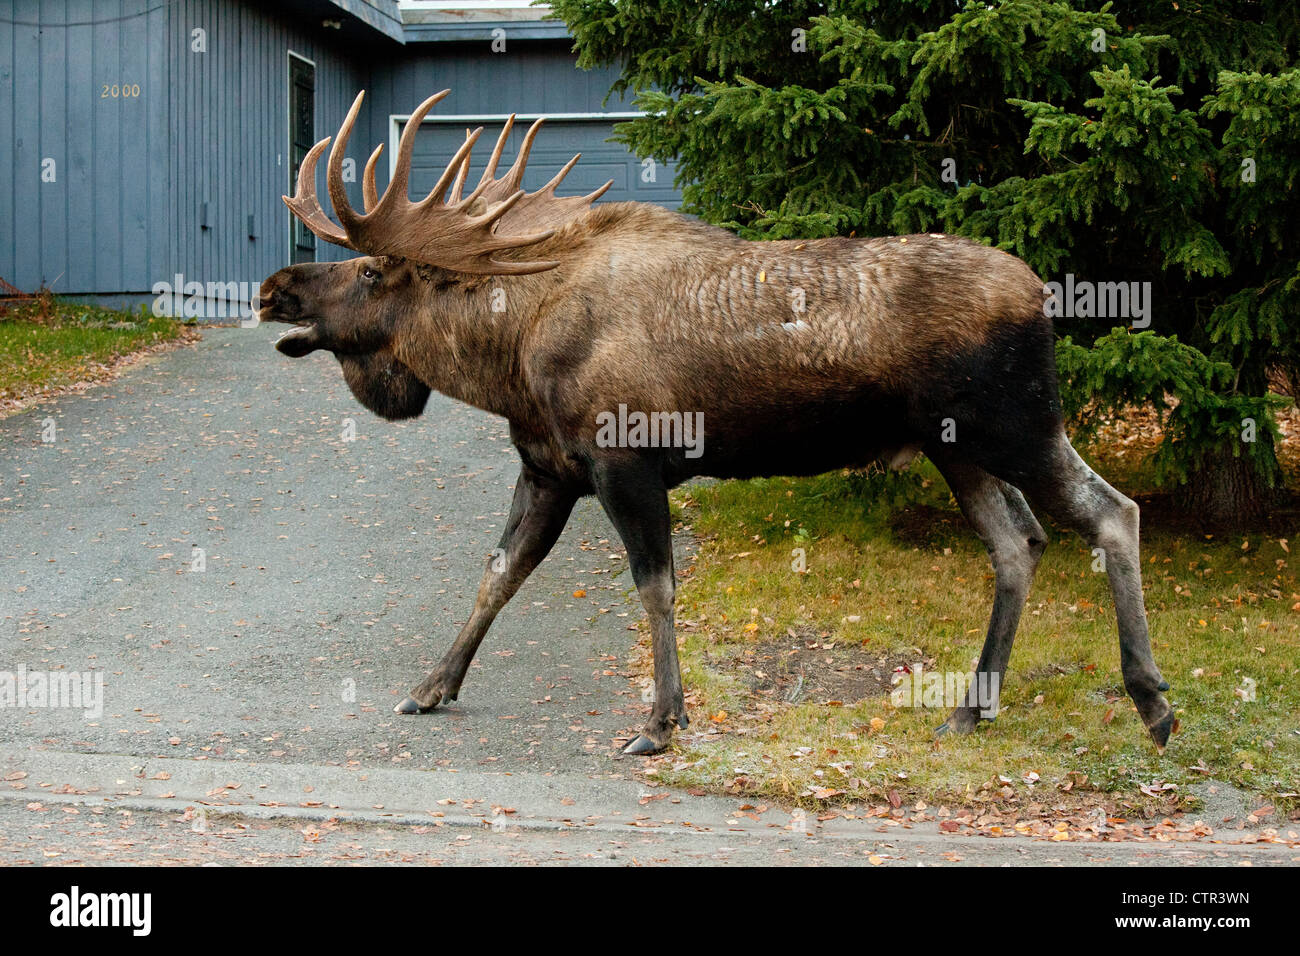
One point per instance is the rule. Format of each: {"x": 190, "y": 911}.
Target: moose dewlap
{"x": 578, "y": 322}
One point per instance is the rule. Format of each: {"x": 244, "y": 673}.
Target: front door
{"x": 302, "y": 136}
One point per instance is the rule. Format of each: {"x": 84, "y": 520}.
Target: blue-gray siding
{"x": 50, "y": 90}
{"x": 134, "y": 174}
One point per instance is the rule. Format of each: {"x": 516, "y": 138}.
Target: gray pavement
{"x": 247, "y": 706}
{"x": 91, "y": 809}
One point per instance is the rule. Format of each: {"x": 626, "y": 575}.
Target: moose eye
{"x": 369, "y": 273}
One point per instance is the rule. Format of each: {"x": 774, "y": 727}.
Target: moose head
{"x": 411, "y": 252}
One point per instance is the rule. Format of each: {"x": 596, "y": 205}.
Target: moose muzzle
{"x": 281, "y": 305}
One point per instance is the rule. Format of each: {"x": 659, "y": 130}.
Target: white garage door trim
{"x": 397, "y": 120}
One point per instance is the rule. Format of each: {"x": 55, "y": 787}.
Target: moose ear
{"x": 299, "y": 341}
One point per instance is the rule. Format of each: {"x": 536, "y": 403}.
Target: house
{"x": 152, "y": 139}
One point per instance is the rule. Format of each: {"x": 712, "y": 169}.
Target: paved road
{"x": 87, "y": 809}
{"x": 256, "y": 693}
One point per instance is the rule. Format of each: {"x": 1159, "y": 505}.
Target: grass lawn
{"x": 48, "y": 343}
{"x": 789, "y": 674}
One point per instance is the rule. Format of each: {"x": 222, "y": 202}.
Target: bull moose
{"x": 927, "y": 344}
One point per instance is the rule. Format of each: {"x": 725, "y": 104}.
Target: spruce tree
{"x": 1140, "y": 141}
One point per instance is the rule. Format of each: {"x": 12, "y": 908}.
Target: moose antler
{"x": 455, "y": 233}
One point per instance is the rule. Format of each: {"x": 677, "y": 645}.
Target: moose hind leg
{"x": 1078, "y": 497}
{"x": 1015, "y": 542}
{"x": 537, "y": 516}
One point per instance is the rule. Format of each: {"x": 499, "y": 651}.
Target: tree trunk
{"x": 1227, "y": 493}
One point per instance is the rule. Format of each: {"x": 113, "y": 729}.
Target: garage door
{"x": 554, "y": 146}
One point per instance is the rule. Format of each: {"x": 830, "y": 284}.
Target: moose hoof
{"x": 642, "y": 746}
{"x": 960, "y": 721}
{"x": 1161, "y": 730}
{"x": 409, "y": 706}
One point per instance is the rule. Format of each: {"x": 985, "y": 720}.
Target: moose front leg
{"x": 540, "y": 509}
{"x": 633, "y": 495}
